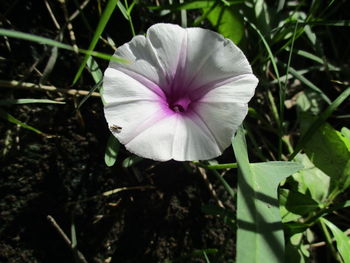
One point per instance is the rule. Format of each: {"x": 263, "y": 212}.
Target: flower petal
{"x": 223, "y": 109}
{"x": 220, "y": 119}
{"x": 120, "y": 87}
{"x": 169, "y": 43}
{"x": 144, "y": 65}
{"x": 237, "y": 89}
{"x": 130, "y": 105}
{"x": 211, "y": 57}
{"x": 174, "y": 137}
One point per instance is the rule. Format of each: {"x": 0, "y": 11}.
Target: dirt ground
{"x": 64, "y": 176}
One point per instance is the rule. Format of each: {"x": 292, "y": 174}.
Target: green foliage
{"x": 259, "y": 228}
{"x": 111, "y": 4}
{"x": 227, "y": 21}
{"x": 50, "y": 42}
{"x": 342, "y": 240}
{"x": 112, "y": 149}
{"x": 332, "y": 156}
{"x": 300, "y": 106}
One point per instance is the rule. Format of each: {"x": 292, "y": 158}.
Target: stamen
{"x": 177, "y": 108}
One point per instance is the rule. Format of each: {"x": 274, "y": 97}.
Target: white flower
{"x": 183, "y": 95}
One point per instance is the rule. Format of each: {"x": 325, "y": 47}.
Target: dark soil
{"x": 64, "y": 176}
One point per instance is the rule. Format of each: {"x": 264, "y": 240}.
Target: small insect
{"x": 115, "y": 128}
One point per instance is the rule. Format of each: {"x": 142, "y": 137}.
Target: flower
{"x": 183, "y": 95}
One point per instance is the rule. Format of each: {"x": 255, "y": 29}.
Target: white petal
{"x": 130, "y": 105}
{"x": 119, "y": 87}
{"x": 240, "y": 89}
{"x": 174, "y": 137}
{"x": 192, "y": 142}
{"x": 220, "y": 119}
{"x": 211, "y": 57}
{"x": 169, "y": 42}
{"x": 223, "y": 109}
{"x": 144, "y": 65}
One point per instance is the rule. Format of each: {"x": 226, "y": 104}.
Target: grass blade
{"x": 6, "y": 116}
{"x": 111, "y": 4}
{"x": 26, "y": 101}
{"x": 54, "y": 43}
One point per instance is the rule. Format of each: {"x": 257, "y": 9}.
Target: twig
{"x": 54, "y": 20}
{"x": 210, "y": 187}
{"x": 69, "y": 26}
{"x": 323, "y": 243}
{"x": 80, "y": 257}
{"x": 77, "y": 12}
{"x": 31, "y": 86}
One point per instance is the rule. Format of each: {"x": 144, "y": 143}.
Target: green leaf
{"x": 97, "y": 75}
{"x": 309, "y": 101}
{"x": 296, "y": 203}
{"x": 287, "y": 216}
{"x": 107, "y": 12}
{"x": 311, "y": 180}
{"x": 342, "y": 240}
{"x": 50, "y": 42}
{"x": 330, "y": 152}
{"x": 27, "y": 101}
{"x": 346, "y": 133}
{"x": 131, "y": 161}
{"x": 94, "y": 70}
{"x": 262, "y": 17}
{"x": 6, "y": 116}
{"x": 260, "y": 234}
{"x": 112, "y": 149}
{"x": 228, "y": 22}
{"x": 320, "y": 121}
{"x": 184, "y": 6}
{"x": 123, "y": 10}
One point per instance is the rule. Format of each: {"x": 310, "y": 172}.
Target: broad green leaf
{"x": 293, "y": 254}
{"x": 342, "y": 240}
{"x": 112, "y": 149}
{"x": 50, "y": 42}
{"x": 319, "y": 121}
{"x": 286, "y": 215}
{"x": 295, "y": 204}
{"x": 107, "y": 12}
{"x": 346, "y": 133}
{"x": 311, "y": 180}
{"x": 228, "y": 22}
{"x": 259, "y": 234}
{"x": 330, "y": 152}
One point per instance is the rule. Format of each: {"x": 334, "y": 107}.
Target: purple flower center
{"x": 179, "y": 106}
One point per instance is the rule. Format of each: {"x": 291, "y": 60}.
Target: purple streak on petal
{"x": 163, "y": 113}
{"x": 177, "y": 89}
{"x": 196, "y": 118}
{"x": 192, "y": 79}
{"x": 144, "y": 81}
{"x": 198, "y": 92}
